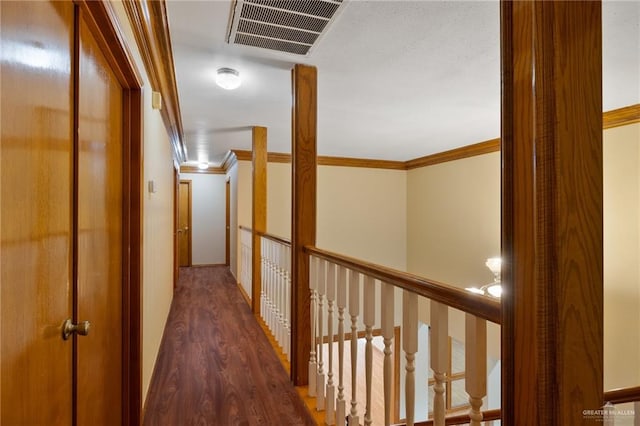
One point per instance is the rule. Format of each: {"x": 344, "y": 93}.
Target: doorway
{"x": 184, "y": 223}
{"x": 70, "y": 222}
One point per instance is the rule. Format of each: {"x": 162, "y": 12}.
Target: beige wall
{"x": 279, "y": 199}
{"x": 622, "y": 256}
{"x": 360, "y": 212}
{"x": 453, "y": 220}
{"x": 157, "y": 249}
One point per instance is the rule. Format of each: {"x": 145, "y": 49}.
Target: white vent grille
{"x": 291, "y": 26}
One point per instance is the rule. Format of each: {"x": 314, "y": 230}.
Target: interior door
{"x": 184, "y": 223}
{"x": 35, "y": 231}
{"x": 99, "y": 233}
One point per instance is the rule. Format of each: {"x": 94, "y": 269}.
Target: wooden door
{"x": 36, "y": 195}
{"x": 99, "y": 233}
{"x": 184, "y": 223}
{"x": 69, "y": 207}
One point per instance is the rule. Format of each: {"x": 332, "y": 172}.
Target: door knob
{"x": 68, "y": 328}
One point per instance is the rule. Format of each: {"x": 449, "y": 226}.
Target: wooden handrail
{"x": 461, "y": 419}
{"x": 622, "y": 395}
{"x": 454, "y": 297}
{"x": 275, "y": 238}
{"x": 268, "y": 236}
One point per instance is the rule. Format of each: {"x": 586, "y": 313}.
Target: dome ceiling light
{"x": 228, "y": 78}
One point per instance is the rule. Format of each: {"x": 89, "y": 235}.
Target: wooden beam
{"x": 259, "y": 211}
{"x": 552, "y": 326}
{"x": 303, "y": 228}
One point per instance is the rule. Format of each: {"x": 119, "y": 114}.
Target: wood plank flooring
{"x": 216, "y": 366}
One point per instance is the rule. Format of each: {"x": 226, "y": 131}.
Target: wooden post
{"x": 303, "y": 216}
{"x": 259, "y": 211}
{"x": 552, "y": 303}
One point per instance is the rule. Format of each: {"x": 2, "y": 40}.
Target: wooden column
{"x": 303, "y": 216}
{"x": 259, "y": 211}
{"x": 552, "y": 323}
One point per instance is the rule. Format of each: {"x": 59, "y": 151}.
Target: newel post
{"x": 552, "y": 301}
{"x": 259, "y": 211}
{"x": 303, "y": 215}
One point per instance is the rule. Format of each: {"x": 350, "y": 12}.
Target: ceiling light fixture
{"x": 493, "y": 289}
{"x": 203, "y": 166}
{"x": 228, "y": 78}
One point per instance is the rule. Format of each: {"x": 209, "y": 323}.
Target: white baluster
{"x": 282, "y": 292}
{"x": 475, "y": 365}
{"x": 287, "y": 303}
{"x": 331, "y": 295}
{"x": 279, "y": 291}
{"x": 354, "y": 311}
{"x": 272, "y": 281}
{"x": 387, "y": 302}
{"x": 322, "y": 285}
{"x": 313, "y": 285}
{"x": 410, "y": 346}
{"x": 369, "y": 316}
{"x": 342, "y": 303}
{"x": 608, "y": 415}
{"x": 263, "y": 289}
{"x": 439, "y": 348}
{"x": 636, "y": 417}
{"x": 269, "y": 291}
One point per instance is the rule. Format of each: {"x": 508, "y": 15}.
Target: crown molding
{"x": 229, "y": 160}
{"x": 323, "y": 160}
{"x": 621, "y": 116}
{"x": 150, "y": 27}
{"x": 480, "y": 148}
{"x": 242, "y": 155}
{"x": 361, "y": 162}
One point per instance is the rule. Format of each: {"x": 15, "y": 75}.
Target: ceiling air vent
{"x": 291, "y": 26}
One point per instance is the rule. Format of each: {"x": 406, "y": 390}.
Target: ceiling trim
{"x": 150, "y": 26}
{"x": 480, "y": 148}
{"x": 361, "y": 162}
{"x": 621, "y": 116}
{"x": 229, "y": 160}
{"x": 208, "y": 171}
{"x": 323, "y": 160}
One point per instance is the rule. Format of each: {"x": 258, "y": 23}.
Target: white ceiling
{"x": 396, "y": 79}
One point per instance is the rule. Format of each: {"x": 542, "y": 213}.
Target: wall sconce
{"x": 493, "y": 289}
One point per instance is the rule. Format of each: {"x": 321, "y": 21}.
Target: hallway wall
{"x": 208, "y": 207}
{"x": 360, "y": 211}
{"x": 157, "y": 250}
{"x": 622, "y": 256}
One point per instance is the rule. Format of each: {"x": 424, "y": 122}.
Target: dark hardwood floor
{"x": 216, "y": 366}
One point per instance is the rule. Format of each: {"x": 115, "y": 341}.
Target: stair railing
{"x": 332, "y": 278}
